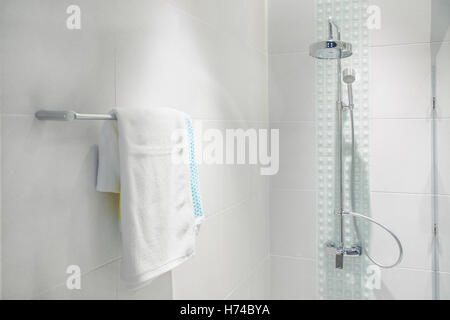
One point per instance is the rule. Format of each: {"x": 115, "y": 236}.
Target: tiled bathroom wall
{"x": 293, "y": 204}
{"x": 1, "y": 157}
{"x": 401, "y": 140}
{"x": 400, "y": 147}
{"x": 440, "y": 59}
{"x": 205, "y": 57}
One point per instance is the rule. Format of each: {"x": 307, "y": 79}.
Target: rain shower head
{"x": 331, "y": 49}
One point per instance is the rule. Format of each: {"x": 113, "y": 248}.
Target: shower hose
{"x": 357, "y": 215}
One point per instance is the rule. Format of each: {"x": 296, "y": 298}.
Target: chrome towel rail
{"x": 71, "y": 115}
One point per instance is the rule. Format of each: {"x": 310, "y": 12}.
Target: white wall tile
{"x": 410, "y": 217}
{"x": 239, "y": 181}
{"x": 256, "y": 286}
{"x": 52, "y": 215}
{"x": 256, "y": 30}
{"x": 205, "y": 10}
{"x": 444, "y": 286}
{"x": 259, "y": 181}
{"x": 260, "y": 282}
{"x": 159, "y": 289}
{"x": 400, "y": 82}
{"x": 97, "y": 284}
{"x": 291, "y": 79}
{"x": 291, "y": 25}
{"x": 443, "y": 213}
{"x": 242, "y": 292}
{"x": 293, "y": 279}
{"x": 404, "y": 284}
{"x": 293, "y": 223}
{"x": 244, "y": 19}
{"x": 220, "y": 268}
{"x": 440, "y": 58}
{"x": 166, "y": 58}
{"x": 235, "y": 246}
{"x": 400, "y": 155}
{"x": 402, "y": 21}
{"x": 211, "y": 177}
{"x": 443, "y": 156}
{"x": 236, "y": 184}
{"x": 297, "y": 156}
{"x": 205, "y": 269}
{"x": 48, "y": 66}
{"x": 259, "y": 228}
{"x": 440, "y": 22}
{"x": 1, "y": 201}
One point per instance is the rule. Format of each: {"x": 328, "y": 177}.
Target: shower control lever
{"x": 353, "y": 251}
{"x": 332, "y": 248}
{"x": 339, "y": 261}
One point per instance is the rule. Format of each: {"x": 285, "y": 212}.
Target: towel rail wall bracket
{"x": 71, "y": 116}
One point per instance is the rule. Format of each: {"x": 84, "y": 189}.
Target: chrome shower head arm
{"x": 331, "y": 23}
{"x": 330, "y": 29}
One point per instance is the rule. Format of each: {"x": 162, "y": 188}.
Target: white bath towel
{"x": 160, "y": 205}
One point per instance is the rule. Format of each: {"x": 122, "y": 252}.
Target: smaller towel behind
{"x": 160, "y": 201}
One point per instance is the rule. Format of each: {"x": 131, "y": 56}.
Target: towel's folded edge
{"x": 146, "y": 278}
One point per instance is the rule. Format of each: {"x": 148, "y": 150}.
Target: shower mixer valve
{"x": 353, "y": 251}
{"x": 340, "y": 251}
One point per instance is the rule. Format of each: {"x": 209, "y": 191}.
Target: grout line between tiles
{"x": 214, "y": 28}
{"x": 292, "y": 189}
{"x": 293, "y": 53}
{"x": 401, "y": 193}
{"x": 294, "y": 122}
{"x": 36, "y": 296}
{"x": 249, "y": 275}
{"x": 396, "y": 45}
{"x": 413, "y": 269}
{"x": 401, "y": 118}
{"x": 294, "y": 258}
